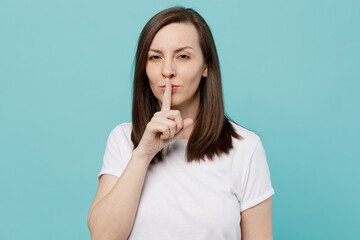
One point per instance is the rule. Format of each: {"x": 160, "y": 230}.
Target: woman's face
{"x": 175, "y": 53}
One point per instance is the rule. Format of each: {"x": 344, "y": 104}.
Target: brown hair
{"x": 212, "y": 133}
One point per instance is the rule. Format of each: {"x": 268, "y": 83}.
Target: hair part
{"x": 212, "y": 133}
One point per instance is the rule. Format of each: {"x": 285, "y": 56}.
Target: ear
{"x": 205, "y": 72}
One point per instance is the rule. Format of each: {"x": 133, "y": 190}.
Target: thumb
{"x": 187, "y": 122}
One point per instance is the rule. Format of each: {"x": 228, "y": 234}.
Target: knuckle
{"x": 164, "y": 129}
{"x": 155, "y": 118}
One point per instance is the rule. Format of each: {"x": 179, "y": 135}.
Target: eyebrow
{"x": 177, "y": 50}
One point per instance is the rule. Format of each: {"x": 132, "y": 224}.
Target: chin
{"x": 174, "y": 103}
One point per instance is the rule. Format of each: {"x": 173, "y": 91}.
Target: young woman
{"x": 181, "y": 169}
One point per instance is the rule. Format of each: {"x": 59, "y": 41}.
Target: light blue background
{"x": 290, "y": 73}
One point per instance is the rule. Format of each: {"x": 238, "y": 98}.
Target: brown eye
{"x": 183, "y": 56}
{"x": 154, "y": 57}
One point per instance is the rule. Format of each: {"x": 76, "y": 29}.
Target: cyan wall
{"x": 290, "y": 73}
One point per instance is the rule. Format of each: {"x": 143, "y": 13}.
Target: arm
{"x": 256, "y": 222}
{"x": 113, "y": 211}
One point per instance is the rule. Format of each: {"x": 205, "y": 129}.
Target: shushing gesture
{"x": 164, "y": 126}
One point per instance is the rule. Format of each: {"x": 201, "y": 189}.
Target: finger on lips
{"x": 166, "y": 106}
{"x": 166, "y": 103}
{"x": 172, "y": 116}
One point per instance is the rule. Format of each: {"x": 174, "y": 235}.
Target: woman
{"x": 181, "y": 169}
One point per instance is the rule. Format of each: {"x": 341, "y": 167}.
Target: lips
{"x": 174, "y": 87}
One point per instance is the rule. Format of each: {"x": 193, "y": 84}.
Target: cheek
{"x": 192, "y": 75}
{"x": 150, "y": 73}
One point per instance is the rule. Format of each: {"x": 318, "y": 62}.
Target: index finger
{"x": 166, "y": 103}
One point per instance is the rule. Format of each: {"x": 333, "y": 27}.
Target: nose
{"x": 168, "y": 70}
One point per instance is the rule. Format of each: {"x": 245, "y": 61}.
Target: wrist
{"x": 141, "y": 156}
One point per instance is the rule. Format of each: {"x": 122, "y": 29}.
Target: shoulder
{"x": 122, "y": 133}
{"x": 124, "y": 128}
{"x": 247, "y": 136}
{"x": 247, "y": 144}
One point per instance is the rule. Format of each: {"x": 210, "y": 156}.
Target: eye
{"x": 183, "y": 56}
{"x": 154, "y": 57}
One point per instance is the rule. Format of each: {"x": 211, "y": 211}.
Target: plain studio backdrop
{"x": 290, "y": 72}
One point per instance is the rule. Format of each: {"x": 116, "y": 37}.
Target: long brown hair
{"x": 212, "y": 133}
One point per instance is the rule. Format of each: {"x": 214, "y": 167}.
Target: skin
{"x": 165, "y": 64}
{"x": 117, "y": 199}
{"x": 184, "y": 67}
{"x": 256, "y": 222}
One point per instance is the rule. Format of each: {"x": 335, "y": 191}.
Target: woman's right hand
{"x": 164, "y": 126}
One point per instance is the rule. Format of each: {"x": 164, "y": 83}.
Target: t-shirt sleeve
{"x": 117, "y": 153}
{"x": 256, "y": 182}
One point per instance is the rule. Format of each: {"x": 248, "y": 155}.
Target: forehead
{"x": 176, "y": 35}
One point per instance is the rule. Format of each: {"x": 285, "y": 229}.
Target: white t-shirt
{"x": 197, "y": 201}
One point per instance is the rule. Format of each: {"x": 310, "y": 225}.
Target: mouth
{"x": 173, "y": 87}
